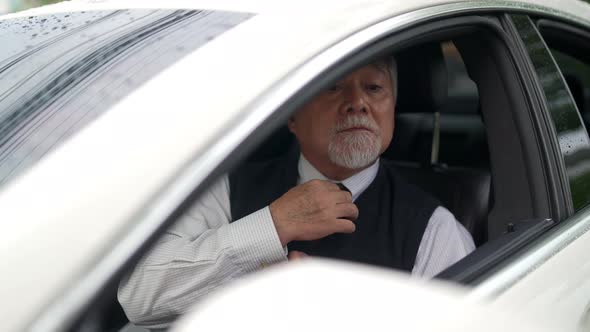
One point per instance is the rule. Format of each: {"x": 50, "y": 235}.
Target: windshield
{"x": 60, "y": 72}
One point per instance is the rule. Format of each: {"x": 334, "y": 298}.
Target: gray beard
{"x": 354, "y": 150}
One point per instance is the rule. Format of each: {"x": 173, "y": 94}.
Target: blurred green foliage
{"x": 18, "y": 5}
{"x": 37, "y": 3}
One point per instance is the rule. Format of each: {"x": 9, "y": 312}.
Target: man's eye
{"x": 374, "y": 87}
{"x": 334, "y": 88}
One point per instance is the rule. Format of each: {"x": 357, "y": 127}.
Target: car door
{"x": 552, "y": 278}
{"x": 531, "y": 183}
{"x": 530, "y": 176}
{"x": 531, "y": 179}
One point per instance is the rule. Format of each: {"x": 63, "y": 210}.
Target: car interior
{"x": 463, "y": 132}
{"x": 439, "y": 141}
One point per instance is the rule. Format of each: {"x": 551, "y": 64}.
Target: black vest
{"x": 392, "y": 213}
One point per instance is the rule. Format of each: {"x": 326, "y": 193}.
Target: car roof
{"x": 574, "y": 8}
{"x": 94, "y": 189}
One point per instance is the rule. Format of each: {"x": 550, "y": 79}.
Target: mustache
{"x": 355, "y": 121}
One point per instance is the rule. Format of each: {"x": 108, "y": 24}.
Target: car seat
{"x": 439, "y": 140}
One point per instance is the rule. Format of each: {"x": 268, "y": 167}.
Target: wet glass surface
{"x": 573, "y": 138}
{"x": 59, "y": 72}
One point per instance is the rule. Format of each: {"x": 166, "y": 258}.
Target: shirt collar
{"x": 356, "y": 183}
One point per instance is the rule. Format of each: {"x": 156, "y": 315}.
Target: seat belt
{"x": 435, "y": 139}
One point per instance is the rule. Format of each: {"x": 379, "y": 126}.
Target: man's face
{"x": 350, "y": 124}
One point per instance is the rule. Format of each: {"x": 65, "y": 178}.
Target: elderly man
{"x": 332, "y": 198}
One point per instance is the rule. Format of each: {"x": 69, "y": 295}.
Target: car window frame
{"x": 578, "y": 41}
{"x": 574, "y": 224}
{"x": 559, "y": 107}
{"x": 519, "y": 234}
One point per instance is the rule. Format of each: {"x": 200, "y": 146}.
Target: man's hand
{"x": 296, "y": 255}
{"x": 313, "y": 210}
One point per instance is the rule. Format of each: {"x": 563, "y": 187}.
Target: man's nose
{"x": 356, "y": 100}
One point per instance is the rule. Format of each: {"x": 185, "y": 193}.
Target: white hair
{"x": 392, "y": 68}
{"x": 390, "y": 64}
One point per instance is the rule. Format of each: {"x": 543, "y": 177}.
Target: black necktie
{"x": 311, "y": 247}
{"x": 343, "y": 187}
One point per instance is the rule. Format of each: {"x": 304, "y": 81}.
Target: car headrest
{"x": 422, "y": 79}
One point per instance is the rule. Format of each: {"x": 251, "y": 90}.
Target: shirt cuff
{"x": 255, "y": 241}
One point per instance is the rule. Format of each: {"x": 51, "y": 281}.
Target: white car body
{"x": 324, "y": 295}
{"x": 63, "y": 235}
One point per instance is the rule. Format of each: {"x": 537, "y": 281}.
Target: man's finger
{"x": 341, "y": 197}
{"x": 296, "y": 255}
{"x": 327, "y": 228}
{"x": 330, "y": 186}
{"x": 347, "y": 211}
{"x": 343, "y": 226}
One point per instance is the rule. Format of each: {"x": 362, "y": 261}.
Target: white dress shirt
{"x": 204, "y": 250}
